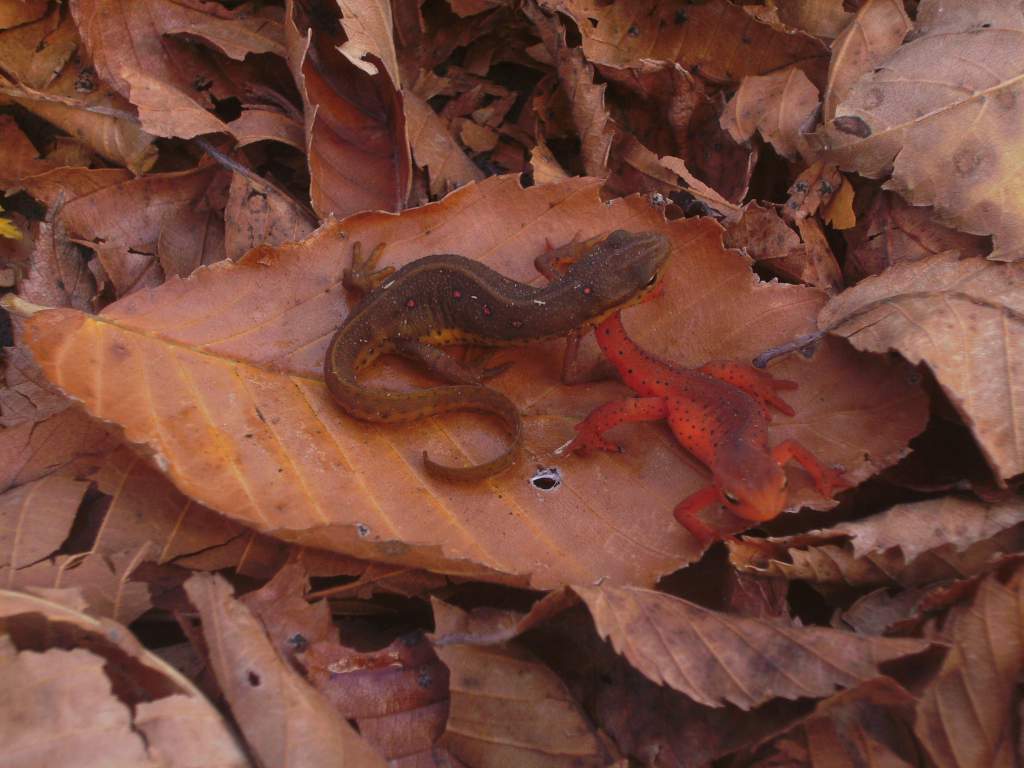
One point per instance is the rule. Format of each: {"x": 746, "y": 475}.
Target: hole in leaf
{"x": 546, "y": 479}
{"x": 254, "y": 679}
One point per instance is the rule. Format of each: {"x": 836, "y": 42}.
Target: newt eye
{"x": 652, "y": 281}
{"x": 730, "y": 497}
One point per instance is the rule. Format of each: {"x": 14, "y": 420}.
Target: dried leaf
{"x": 916, "y": 543}
{"x": 875, "y": 32}
{"x": 716, "y": 658}
{"x": 284, "y": 720}
{"x": 508, "y": 708}
{"x": 867, "y": 725}
{"x": 58, "y": 276}
{"x": 63, "y": 90}
{"x": 31, "y": 449}
{"x": 182, "y": 727}
{"x": 256, "y": 216}
{"x": 434, "y": 148}
{"x": 370, "y": 32}
{"x": 58, "y": 709}
{"x": 892, "y": 231}
{"x": 779, "y": 105}
{"x": 945, "y": 125}
{"x": 133, "y": 49}
{"x": 965, "y": 717}
{"x": 34, "y": 520}
{"x": 824, "y": 18}
{"x": 965, "y": 319}
{"x": 231, "y": 402}
{"x": 16, "y": 14}
{"x": 398, "y": 695}
{"x": 718, "y": 38}
{"x": 358, "y": 154}
{"x": 27, "y": 396}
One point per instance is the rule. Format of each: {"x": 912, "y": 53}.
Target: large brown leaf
{"x": 965, "y": 319}
{"x": 219, "y": 375}
{"x": 716, "y": 658}
{"x": 942, "y": 113}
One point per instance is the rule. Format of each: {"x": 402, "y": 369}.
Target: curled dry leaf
{"x": 509, "y": 708}
{"x": 909, "y": 544}
{"x": 32, "y": 449}
{"x": 284, "y": 720}
{"x": 892, "y": 231}
{"x": 398, "y": 695}
{"x": 716, "y": 658}
{"x": 124, "y": 222}
{"x": 358, "y": 153}
{"x": 34, "y": 520}
{"x": 219, "y": 375}
{"x": 804, "y": 257}
{"x": 965, "y": 716}
{"x": 58, "y": 708}
{"x": 257, "y": 216}
{"x": 108, "y": 688}
{"x": 875, "y": 32}
{"x": 26, "y": 395}
{"x": 62, "y": 90}
{"x": 369, "y": 28}
{"x": 965, "y": 319}
{"x": 824, "y": 18}
{"x": 779, "y": 105}
{"x": 434, "y": 148}
{"x": 719, "y": 38}
{"x": 134, "y": 48}
{"x": 145, "y": 506}
{"x": 867, "y": 725}
{"x": 946, "y": 126}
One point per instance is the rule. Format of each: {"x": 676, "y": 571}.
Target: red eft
{"x": 719, "y": 414}
{"x": 447, "y": 299}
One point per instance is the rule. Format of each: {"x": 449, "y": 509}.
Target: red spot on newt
{"x": 410, "y": 303}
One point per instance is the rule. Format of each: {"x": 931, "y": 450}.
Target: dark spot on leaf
{"x": 853, "y": 126}
{"x": 254, "y": 679}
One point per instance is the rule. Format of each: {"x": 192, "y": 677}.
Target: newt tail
{"x": 447, "y": 299}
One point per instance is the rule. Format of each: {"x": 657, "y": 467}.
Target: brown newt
{"x": 447, "y": 299}
{"x": 719, "y": 414}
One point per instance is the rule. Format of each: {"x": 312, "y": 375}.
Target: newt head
{"x": 620, "y": 270}
{"x": 750, "y": 483}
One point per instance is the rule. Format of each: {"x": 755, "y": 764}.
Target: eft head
{"x": 619, "y": 271}
{"x": 749, "y": 481}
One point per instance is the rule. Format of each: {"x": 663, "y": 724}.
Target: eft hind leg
{"x": 443, "y": 365}
{"x": 590, "y": 431}
{"x": 760, "y": 385}
{"x": 827, "y": 480}
{"x": 361, "y": 276}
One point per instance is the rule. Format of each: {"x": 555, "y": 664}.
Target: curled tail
{"x": 385, "y": 405}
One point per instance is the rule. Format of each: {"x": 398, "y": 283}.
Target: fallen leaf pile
{"x": 204, "y": 561}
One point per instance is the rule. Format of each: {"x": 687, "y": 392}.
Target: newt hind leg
{"x": 760, "y": 385}
{"x": 590, "y": 431}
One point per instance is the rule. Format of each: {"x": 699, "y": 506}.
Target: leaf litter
{"x": 836, "y": 183}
